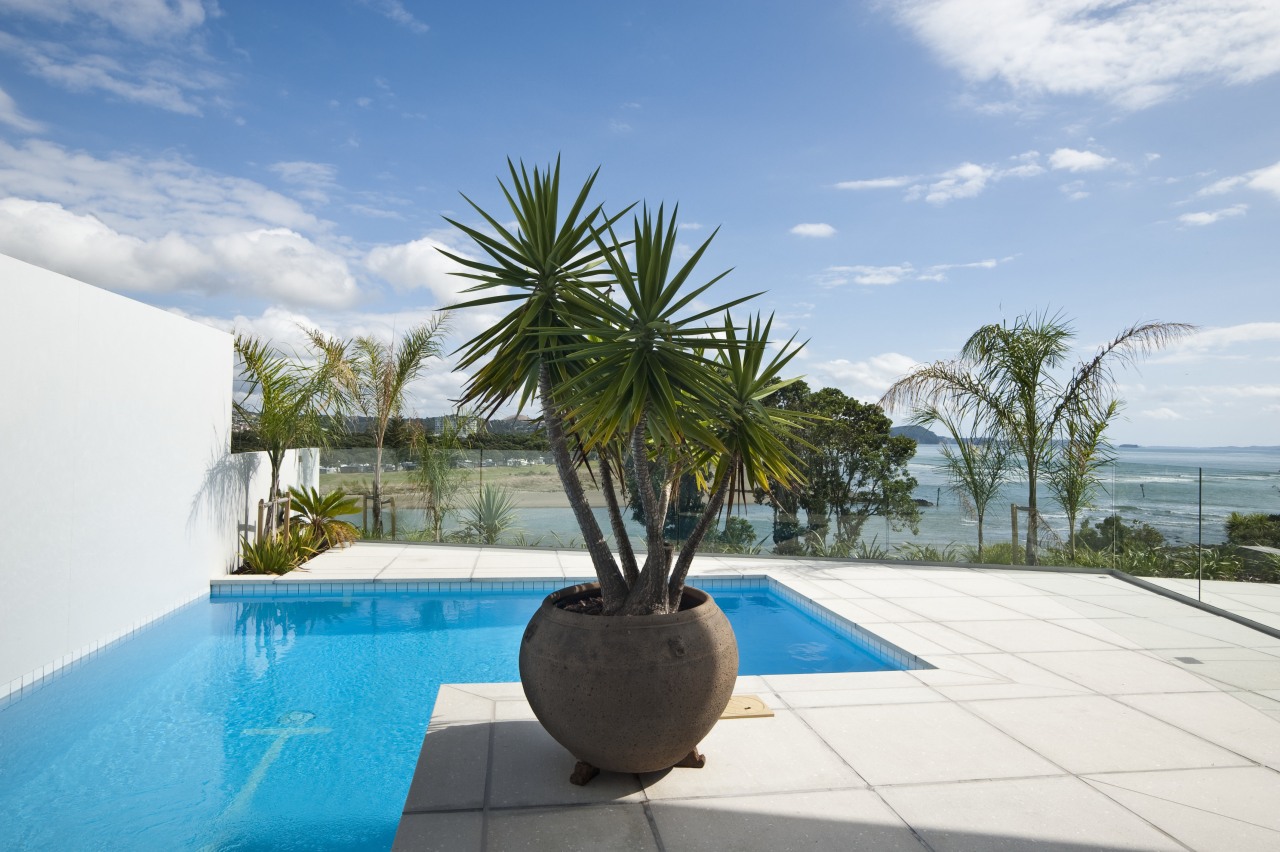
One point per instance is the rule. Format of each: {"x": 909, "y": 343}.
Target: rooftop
{"x": 1067, "y": 710}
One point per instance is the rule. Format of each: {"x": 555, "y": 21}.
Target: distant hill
{"x": 919, "y": 434}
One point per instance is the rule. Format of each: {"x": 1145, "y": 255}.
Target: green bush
{"x": 277, "y": 554}
{"x": 1113, "y": 532}
{"x": 1254, "y": 528}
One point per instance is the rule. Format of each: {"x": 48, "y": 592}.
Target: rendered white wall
{"x": 122, "y": 497}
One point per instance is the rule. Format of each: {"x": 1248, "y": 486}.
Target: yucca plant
{"x": 276, "y": 554}
{"x": 614, "y": 341}
{"x": 319, "y": 516}
{"x": 489, "y": 514}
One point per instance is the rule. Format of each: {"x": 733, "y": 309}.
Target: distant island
{"x": 919, "y": 434}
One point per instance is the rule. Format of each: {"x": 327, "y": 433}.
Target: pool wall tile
{"x": 33, "y": 680}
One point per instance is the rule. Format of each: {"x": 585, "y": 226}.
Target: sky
{"x": 892, "y": 175}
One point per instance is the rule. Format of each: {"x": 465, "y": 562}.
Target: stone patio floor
{"x": 1066, "y": 711}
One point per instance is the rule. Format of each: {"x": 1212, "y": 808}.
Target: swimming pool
{"x": 245, "y": 723}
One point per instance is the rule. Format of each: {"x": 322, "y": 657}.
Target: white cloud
{"x": 964, "y": 181}
{"x": 419, "y": 264}
{"x": 1074, "y": 191}
{"x": 163, "y": 225}
{"x": 867, "y": 379}
{"x": 813, "y": 229}
{"x": 1164, "y": 413}
{"x": 1208, "y": 217}
{"x": 1209, "y": 339}
{"x": 165, "y": 82}
{"x": 12, "y": 116}
{"x": 314, "y": 180}
{"x": 836, "y": 276}
{"x": 1134, "y": 54}
{"x": 141, "y": 19}
{"x": 273, "y": 263}
{"x": 364, "y": 103}
{"x": 1078, "y": 161}
{"x": 394, "y": 10}
{"x": 1266, "y": 179}
{"x": 146, "y": 196}
{"x": 878, "y": 183}
{"x": 690, "y": 226}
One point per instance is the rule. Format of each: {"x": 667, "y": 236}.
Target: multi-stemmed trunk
{"x": 613, "y": 588}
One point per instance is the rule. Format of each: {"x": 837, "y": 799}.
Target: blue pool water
{"x": 289, "y": 724}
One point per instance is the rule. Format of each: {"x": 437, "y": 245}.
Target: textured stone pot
{"x": 628, "y": 693}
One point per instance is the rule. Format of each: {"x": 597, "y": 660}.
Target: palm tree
{"x": 378, "y": 374}
{"x": 621, "y": 363}
{"x": 1006, "y": 380}
{"x": 297, "y": 401}
{"x": 978, "y": 466}
{"x": 1081, "y": 453}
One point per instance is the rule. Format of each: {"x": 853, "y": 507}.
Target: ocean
{"x": 1184, "y": 492}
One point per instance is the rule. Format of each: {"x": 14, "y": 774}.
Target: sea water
{"x": 1186, "y": 493}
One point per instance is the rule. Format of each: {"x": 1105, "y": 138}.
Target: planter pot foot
{"x": 583, "y": 773}
{"x": 693, "y": 760}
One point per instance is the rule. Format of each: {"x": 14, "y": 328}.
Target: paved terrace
{"x": 1066, "y": 711}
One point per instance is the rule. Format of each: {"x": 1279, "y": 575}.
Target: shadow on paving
{"x": 503, "y": 785}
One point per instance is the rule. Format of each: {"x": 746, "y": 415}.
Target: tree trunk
{"x": 277, "y": 459}
{"x": 980, "y": 518}
{"x": 613, "y": 587}
{"x": 675, "y": 586}
{"x": 1033, "y": 534}
{"x": 648, "y": 594}
{"x": 377, "y": 491}
{"x": 620, "y": 536}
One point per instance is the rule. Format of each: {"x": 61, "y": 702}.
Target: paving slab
{"x": 917, "y": 743}
{"x": 1218, "y": 717}
{"x": 1061, "y": 814}
{"x": 582, "y": 829}
{"x": 1093, "y": 733}
{"x": 1209, "y": 810}
{"x": 828, "y": 819}
{"x": 777, "y": 754}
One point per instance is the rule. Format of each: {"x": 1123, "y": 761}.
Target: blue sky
{"x": 894, "y": 174}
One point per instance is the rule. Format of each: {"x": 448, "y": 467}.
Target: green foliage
{"x": 1256, "y": 529}
{"x": 1073, "y": 466}
{"x": 999, "y": 553}
{"x": 320, "y": 516}
{"x": 436, "y": 475}
{"x": 375, "y": 375}
{"x": 917, "y": 552}
{"x": 278, "y": 554}
{"x": 288, "y": 402}
{"x": 488, "y": 515}
{"x": 854, "y": 470}
{"x": 623, "y": 358}
{"x": 1113, "y": 533}
{"x": 1010, "y": 380}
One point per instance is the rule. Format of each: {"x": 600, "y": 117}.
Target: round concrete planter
{"x": 628, "y": 693}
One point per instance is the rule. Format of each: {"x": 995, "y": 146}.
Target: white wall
{"x": 121, "y": 496}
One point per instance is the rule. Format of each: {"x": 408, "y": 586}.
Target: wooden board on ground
{"x": 746, "y": 707}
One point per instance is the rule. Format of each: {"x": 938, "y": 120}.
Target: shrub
{"x": 1254, "y": 528}
{"x": 1112, "y": 532}
{"x": 277, "y": 554}
{"x": 319, "y": 516}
